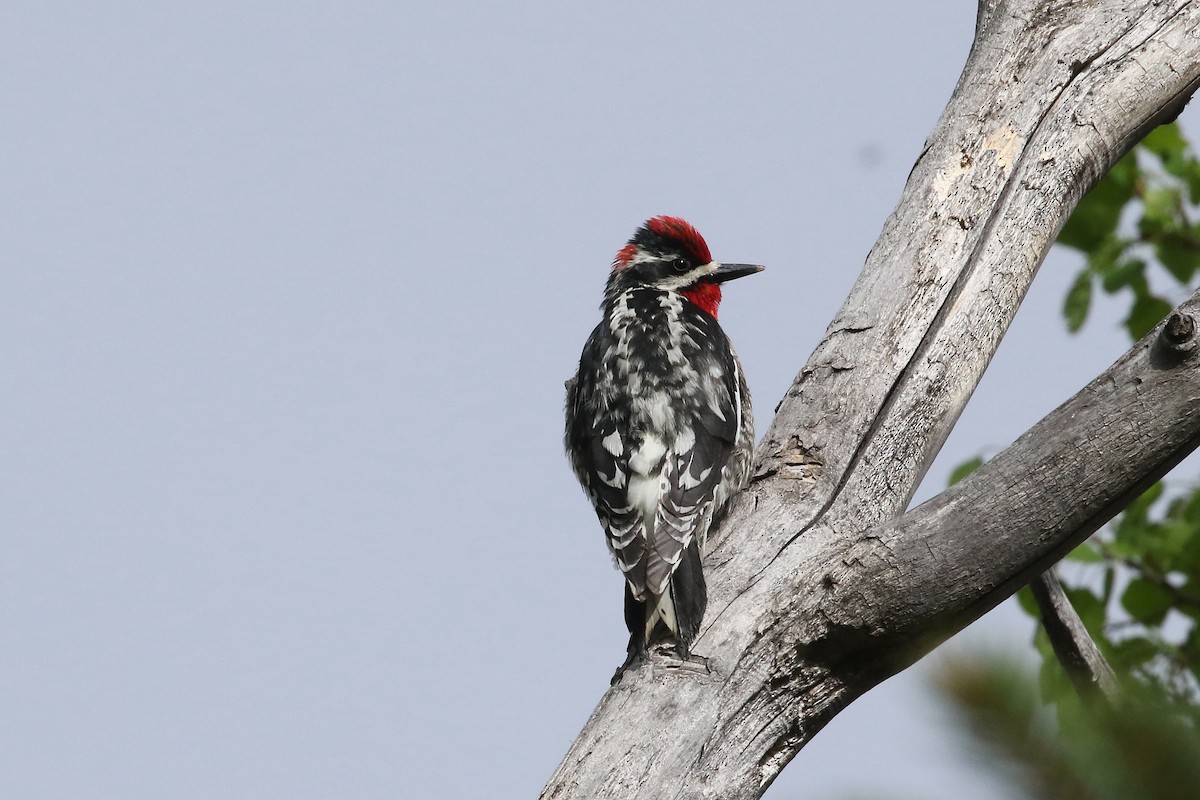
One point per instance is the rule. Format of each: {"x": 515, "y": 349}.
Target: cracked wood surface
{"x": 817, "y": 590}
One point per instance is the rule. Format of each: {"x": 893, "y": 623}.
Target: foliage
{"x": 1136, "y": 232}
{"x": 1136, "y": 583}
{"x": 1142, "y": 748}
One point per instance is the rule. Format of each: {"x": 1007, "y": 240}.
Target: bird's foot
{"x": 670, "y": 655}
{"x": 679, "y": 656}
{"x": 637, "y": 656}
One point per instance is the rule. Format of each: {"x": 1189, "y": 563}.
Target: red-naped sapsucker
{"x": 659, "y": 427}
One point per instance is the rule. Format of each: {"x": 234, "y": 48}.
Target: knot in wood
{"x": 1179, "y": 334}
{"x": 799, "y": 462}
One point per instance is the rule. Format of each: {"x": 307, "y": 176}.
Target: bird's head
{"x": 667, "y": 253}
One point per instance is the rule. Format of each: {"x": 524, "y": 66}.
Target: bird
{"x": 659, "y": 427}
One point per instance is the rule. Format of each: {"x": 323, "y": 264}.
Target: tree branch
{"x": 1081, "y": 659}
{"x": 814, "y": 595}
{"x": 1036, "y": 500}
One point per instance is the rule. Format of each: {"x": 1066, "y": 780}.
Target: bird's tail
{"x": 673, "y": 616}
{"x": 688, "y": 597}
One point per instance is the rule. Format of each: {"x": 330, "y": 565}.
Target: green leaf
{"x": 1108, "y": 254}
{"x": 1078, "y": 301}
{"x": 1170, "y": 545}
{"x": 1147, "y": 602}
{"x": 1089, "y": 607}
{"x": 1141, "y": 506}
{"x": 1191, "y": 609}
{"x": 1137, "y": 515}
{"x": 1027, "y": 603}
{"x": 1147, "y": 312}
{"x": 1179, "y": 255}
{"x": 1190, "y": 649}
{"x": 1133, "y": 530}
{"x": 964, "y": 469}
{"x": 1189, "y": 555}
{"x": 1096, "y": 216}
{"x": 1166, "y": 142}
{"x": 1133, "y": 652}
{"x": 1128, "y": 273}
{"x": 1189, "y": 173}
{"x": 1160, "y": 209}
{"x": 1086, "y": 553}
{"x": 1053, "y": 684}
{"x": 1172, "y": 149}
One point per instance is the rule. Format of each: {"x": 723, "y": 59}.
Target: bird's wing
{"x": 600, "y": 458}
{"x": 693, "y": 470}
{"x": 608, "y": 459}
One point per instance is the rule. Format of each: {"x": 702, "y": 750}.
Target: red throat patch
{"x": 707, "y": 296}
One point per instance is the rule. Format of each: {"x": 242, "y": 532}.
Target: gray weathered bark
{"x": 817, "y": 590}
{"x": 1074, "y": 647}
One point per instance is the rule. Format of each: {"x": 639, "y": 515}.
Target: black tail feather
{"x": 690, "y": 595}
{"x": 635, "y": 620}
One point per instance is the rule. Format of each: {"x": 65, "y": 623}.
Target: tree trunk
{"x": 818, "y": 591}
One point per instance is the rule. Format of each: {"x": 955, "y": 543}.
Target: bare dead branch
{"x": 1081, "y": 659}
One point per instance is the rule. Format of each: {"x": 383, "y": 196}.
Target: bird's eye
{"x": 681, "y": 265}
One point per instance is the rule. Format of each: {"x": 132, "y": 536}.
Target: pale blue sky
{"x": 288, "y": 297}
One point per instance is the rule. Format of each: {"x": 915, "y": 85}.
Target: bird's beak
{"x": 727, "y": 272}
